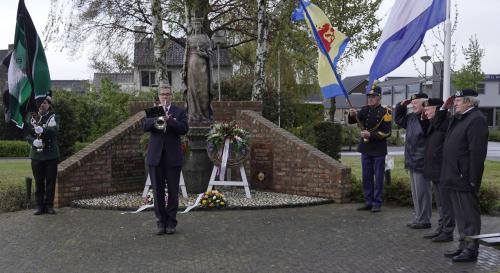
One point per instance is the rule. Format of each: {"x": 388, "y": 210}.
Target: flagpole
{"x": 326, "y": 53}
{"x": 447, "y": 53}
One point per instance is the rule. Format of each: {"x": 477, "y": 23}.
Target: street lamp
{"x": 219, "y": 38}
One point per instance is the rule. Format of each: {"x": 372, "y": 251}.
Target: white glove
{"x": 37, "y": 143}
{"x": 38, "y": 129}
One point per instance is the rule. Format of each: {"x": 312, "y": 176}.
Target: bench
{"x": 492, "y": 239}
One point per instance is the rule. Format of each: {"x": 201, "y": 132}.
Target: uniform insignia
{"x": 387, "y": 117}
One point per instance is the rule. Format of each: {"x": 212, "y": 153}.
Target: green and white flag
{"x": 28, "y": 74}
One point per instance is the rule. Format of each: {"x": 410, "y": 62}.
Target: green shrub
{"x": 357, "y": 189}
{"x": 494, "y": 135}
{"x": 329, "y": 138}
{"x": 398, "y": 191}
{"x": 12, "y": 198}
{"x": 488, "y": 199}
{"x": 12, "y": 148}
{"x": 395, "y": 139}
{"x": 306, "y": 133}
{"x": 79, "y": 145}
{"x": 350, "y": 135}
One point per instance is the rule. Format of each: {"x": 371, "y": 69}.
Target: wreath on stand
{"x": 238, "y": 138}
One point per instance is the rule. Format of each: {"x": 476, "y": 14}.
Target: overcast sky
{"x": 479, "y": 17}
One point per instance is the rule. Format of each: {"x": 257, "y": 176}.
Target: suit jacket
{"x": 464, "y": 151}
{"x": 169, "y": 140}
{"x": 435, "y": 136}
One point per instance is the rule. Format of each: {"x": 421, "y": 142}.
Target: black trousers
{"x": 45, "y": 173}
{"x": 446, "y": 221}
{"x": 158, "y": 175}
{"x": 467, "y": 216}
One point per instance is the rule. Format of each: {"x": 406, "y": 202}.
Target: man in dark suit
{"x": 464, "y": 152}
{"x": 164, "y": 159}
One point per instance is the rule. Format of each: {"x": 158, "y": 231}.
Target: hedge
{"x": 494, "y": 135}
{"x": 329, "y": 138}
{"x": 14, "y": 148}
{"x": 399, "y": 192}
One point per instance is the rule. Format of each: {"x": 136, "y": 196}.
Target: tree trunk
{"x": 333, "y": 108}
{"x": 160, "y": 45}
{"x": 261, "y": 53}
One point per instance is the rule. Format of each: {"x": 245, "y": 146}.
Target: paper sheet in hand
{"x": 154, "y": 112}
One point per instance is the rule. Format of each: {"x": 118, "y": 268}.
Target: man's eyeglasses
{"x": 165, "y": 94}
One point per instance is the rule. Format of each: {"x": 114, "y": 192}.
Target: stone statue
{"x": 197, "y": 74}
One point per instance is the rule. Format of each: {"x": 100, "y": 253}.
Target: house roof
{"x": 77, "y": 86}
{"x": 357, "y": 100}
{"x": 350, "y": 83}
{"x": 393, "y": 81}
{"x": 144, "y": 54}
{"x": 116, "y": 78}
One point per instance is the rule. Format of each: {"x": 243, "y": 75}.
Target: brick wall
{"x": 114, "y": 163}
{"x": 290, "y": 165}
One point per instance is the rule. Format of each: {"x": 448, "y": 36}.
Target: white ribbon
{"x": 141, "y": 208}
{"x": 225, "y": 156}
{"x": 195, "y": 203}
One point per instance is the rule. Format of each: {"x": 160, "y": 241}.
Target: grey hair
{"x": 163, "y": 86}
{"x": 474, "y": 101}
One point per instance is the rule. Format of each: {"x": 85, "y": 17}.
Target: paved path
{"x": 327, "y": 238}
{"x": 493, "y": 151}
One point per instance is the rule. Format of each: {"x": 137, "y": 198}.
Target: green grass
{"x": 13, "y": 172}
{"x": 490, "y": 176}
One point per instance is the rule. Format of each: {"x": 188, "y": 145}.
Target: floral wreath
{"x": 213, "y": 199}
{"x": 238, "y": 139}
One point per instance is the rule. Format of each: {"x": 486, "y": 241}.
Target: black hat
{"x": 465, "y": 93}
{"x": 375, "y": 91}
{"x": 48, "y": 97}
{"x": 433, "y": 102}
{"x": 418, "y": 96}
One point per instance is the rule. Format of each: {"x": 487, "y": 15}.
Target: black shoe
{"x": 442, "y": 238}
{"x": 38, "y": 211}
{"x": 376, "y": 209}
{"x": 421, "y": 226}
{"x": 465, "y": 257}
{"x": 161, "y": 229}
{"x": 432, "y": 234}
{"x": 410, "y": 224}
{"x": 51, "y": 211}
{"x": 365, "y": 207}
{"x": 453, "y": 253}
{"x": 170, "y": 230}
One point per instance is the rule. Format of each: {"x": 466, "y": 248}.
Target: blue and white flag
{"x": 404, "y": 32}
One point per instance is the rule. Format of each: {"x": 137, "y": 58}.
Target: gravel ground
{"x": 235, "y": 198}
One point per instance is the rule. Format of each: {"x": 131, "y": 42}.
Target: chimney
{"x": 140, "y": 34}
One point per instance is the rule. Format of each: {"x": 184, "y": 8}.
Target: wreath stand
{"x": 222, "y": 170}
{"x": 182, "y": 185}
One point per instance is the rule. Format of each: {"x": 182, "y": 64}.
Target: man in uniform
{"x": 432, "y": 169}
{"x": 375, "y": 123}
{"x": 44, "y": 154}
{"x": 416, "y": 127}
{"x": 164, "y": 159}
{"x": 464, "y": 153}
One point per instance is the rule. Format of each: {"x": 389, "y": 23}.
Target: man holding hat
{"x": 464, "y": 153}
{"x": 375, "y": 123}
{"x": 44, "y": 154}
{"x": 435, "y": 136}
{"x": 416, "y": 127}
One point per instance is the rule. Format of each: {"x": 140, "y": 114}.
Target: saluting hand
{"x": 448, "y": 103}
{"x": 405, "y": 102}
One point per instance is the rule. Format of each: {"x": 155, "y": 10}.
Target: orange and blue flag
{"x": 331, "y": 44}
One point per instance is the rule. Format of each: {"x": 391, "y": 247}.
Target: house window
{"x": 148, "y": 78}
{"x": 480, "y": 88}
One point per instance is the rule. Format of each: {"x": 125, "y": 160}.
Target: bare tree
{"x": 261, "y": 52}
{"x": 160, "y": 48}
